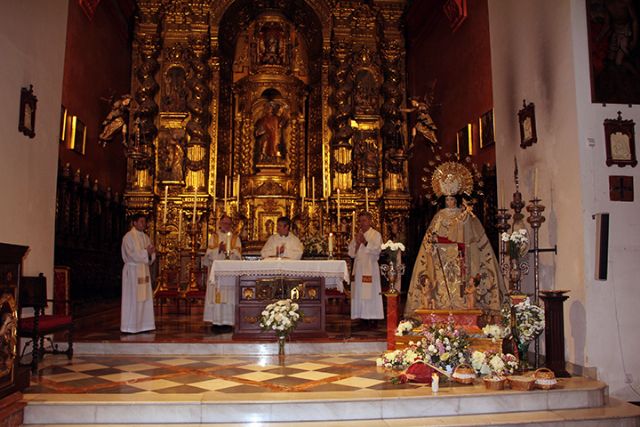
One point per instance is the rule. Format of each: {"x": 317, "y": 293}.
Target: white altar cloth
{"x": 223, "y": 274}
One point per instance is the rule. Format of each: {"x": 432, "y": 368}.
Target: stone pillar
{"x": 554, "y": 331}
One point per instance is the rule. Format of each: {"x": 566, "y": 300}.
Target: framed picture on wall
{"x": 527, "y": 121}
{"x": 619, "y": 138}
{"x": 78, "y": 135}
{"x": 464, "y": 142}
{"x": 487, "y": 130}
{"x": 613, "y": 52}
{"x": 27, "y": 120}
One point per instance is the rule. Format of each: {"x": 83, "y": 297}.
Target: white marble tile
{"x": 139, "y": 413}
{"x": 239, "y": 413}
{"x": 81, "y": 367}
{"x": 416, "y": 407}
{"x": 216, "y": 384}
{"x": 135, "y": 367}
{"x": 313, "y": 375}
{"x": 258, "y": 376}
{"x": 154, "y": 384}
{"x": 307, "y": 366}
{"x": 59, "y": 413}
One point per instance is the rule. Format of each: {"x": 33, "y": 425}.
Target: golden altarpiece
{"x": 266, "y": 108}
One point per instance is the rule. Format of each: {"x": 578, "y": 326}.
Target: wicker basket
{"x": 494, "y": 383}
{"x": 463, "y": 374}
{"x": 545, "y": 379}
{"x": 521, "y": 382}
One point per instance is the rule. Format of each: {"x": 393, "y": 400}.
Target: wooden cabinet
{"x": 255, "y": 293}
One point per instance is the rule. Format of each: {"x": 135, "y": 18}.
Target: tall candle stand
{"x": 502, "y": 225}
{"x": 162, "y": 251}
{"x": 193, "y": 229}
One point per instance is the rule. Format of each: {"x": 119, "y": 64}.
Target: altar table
{"x": 238, "y": 291}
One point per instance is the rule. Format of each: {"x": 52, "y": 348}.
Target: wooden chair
{"x": 33, "y": 294}
{"x": 197, "y": 295}
{"x": 172, "y": 291}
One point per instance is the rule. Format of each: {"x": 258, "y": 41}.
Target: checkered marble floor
{"x": 202, "y": 374}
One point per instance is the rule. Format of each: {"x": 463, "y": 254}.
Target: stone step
{"x": 614, "y": 413}
{"x": 215, "y": 407}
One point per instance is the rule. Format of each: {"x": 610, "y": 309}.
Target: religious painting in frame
{"x": 527, "y": 121}
{"x": 487, "y": 129}
{"x": 614, "y": 56}
{"x": 464, "y": 142}
{"x": 619, "y": 138}
{"x": 27, "y": 120}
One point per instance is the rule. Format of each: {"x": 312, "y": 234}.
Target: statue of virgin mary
{"x": 456, "y": 267}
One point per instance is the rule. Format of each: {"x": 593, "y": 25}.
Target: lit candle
{"x": 195, "y": 204}
{"x": 330, "y": 243}
{"x": 535, "y": 183}
{"x": 228, "y": 243}
{"x": 166, "y": 205}
{"x": 238, "y": 191}
{"x": 353, "y": 225}
{"x": 338, "y": 204}
{"x": 366, "y": 199}
{"x": 226, "y": 194}
{"x": 313, "y": 193}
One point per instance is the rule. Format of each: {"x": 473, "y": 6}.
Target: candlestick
{"x": 195, "y": 203}
{"x": 502, "y": 205}
{"x": 226, "y": 194}
{"x": 338, "y": 204}
{"x": 327, "y": 205}
{"x": 166, "y": 205}
{"x": 330, "y": 244}
{"x": 535, "y": 183}
{"x": 303, "y": 187}
{"x": 313, "y": 193}
{"x": 366, "y": 199}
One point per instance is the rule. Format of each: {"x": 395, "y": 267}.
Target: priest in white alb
{"x": 137, "y": 296}
{"x": 220, "y": 298}
{"x": 366, "y": 301}
{"x": 283, "y": 244}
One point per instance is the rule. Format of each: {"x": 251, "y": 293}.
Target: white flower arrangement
{"x": 282, "y": 317}
{"x": 517, "y": 242}
{"x": 495, "y": 332}
{"x": 392, "y": 246}
{"x": 529, "y": 321}
{"x": 495, "y": 364}
{"x": 404, "y": 328}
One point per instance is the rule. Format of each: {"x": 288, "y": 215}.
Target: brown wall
{"x": 460, "y": 61}
{"x": 97, "y": 65}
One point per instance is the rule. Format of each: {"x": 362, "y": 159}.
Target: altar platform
{"x": 329, "y": 389}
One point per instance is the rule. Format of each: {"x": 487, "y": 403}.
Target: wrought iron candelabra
{"x": 193, "y": 229}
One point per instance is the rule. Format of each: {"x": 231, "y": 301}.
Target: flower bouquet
{"x": 441, "y": 346}
{"x": 282, "y": 317}
{"x": 495, "y": 367}
{"x": 529, "y": 321}
{"x": 495, "y": 332}
{"x": 405, "y": 327}
{"x": 517, "y": 243}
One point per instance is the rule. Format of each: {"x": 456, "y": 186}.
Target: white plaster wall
{"x": 539, "y": 52}
{"x": 613, "y": 342}
{"x": 32, "y": 45}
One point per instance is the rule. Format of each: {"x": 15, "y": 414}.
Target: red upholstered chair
{"x": 171, "y": 292}
{"x": 33, "y": 294}
{"x": 199, "y": 293}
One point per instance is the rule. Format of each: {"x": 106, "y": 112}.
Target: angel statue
{"x": 116, "y": 119}
{"x": 424, "y": 123}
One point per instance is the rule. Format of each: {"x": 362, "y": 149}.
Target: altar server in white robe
{"x": 366, "y": 301}
{"x": 137, "y": 296}
{"x": 220, "y": 297}
{"x": 283, "y": 244}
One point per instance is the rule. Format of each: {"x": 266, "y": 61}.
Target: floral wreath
{"x": 449, "y": 177}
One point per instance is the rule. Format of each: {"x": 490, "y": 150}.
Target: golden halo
{"x": 450, "y": 179}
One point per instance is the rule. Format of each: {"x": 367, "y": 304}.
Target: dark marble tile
{"x": 181, "y": 389}
{"x": 331, "y": 387}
